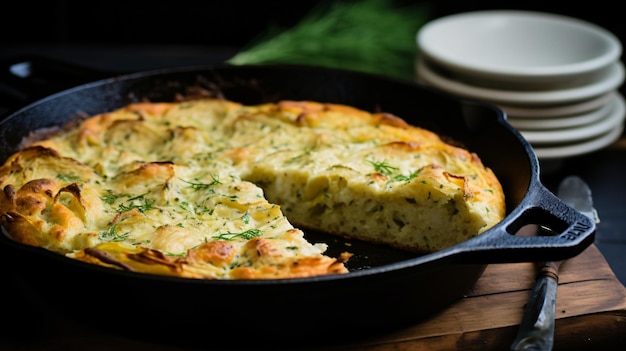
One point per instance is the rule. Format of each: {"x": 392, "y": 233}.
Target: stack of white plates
{"x": 555, "y": 77}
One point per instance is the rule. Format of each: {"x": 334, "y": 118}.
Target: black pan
{"x": 386, "y": 288}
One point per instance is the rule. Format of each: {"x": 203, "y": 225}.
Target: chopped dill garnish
{"x": 110, "y": 197}
{"x": 383, "y": 167}
{"x": 246, "y": 218}
{"x": 199, "y": 186}
{"x": 139, "y": 202}
{"x": 112, "y": 235}
{"x": 404, "y": 178}
{"x": 247, "y": 235}
{"x": 68, "y": 177}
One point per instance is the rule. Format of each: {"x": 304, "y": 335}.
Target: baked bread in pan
{"x": 215, "y": 189}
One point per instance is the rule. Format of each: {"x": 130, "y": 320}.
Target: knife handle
{"x": 549, "y": 269}
{"x": 536, "y": 331}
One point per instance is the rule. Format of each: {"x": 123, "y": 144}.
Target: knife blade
{"x": 575, "y": 192}
{"x": 536, "y": 330}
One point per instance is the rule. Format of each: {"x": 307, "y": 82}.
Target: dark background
{"x": 128, "y": 36}
{"x": 228, "y": 23}
{"x": 218, "y": 23}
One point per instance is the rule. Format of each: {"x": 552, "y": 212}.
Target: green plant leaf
{"x": 374, "y": 36}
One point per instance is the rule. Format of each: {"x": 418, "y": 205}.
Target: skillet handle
{"x": 26, "y": 79}
{"x": 572, "y": 231}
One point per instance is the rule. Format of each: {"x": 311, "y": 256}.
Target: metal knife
{"x": 536, "y": 331}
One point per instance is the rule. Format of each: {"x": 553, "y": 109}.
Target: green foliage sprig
{"x": 374, "y": 36}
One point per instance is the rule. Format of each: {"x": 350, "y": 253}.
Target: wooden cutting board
{"x": 590, "y": 311}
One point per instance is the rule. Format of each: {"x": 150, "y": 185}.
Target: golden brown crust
{"x": 175, "y": 188}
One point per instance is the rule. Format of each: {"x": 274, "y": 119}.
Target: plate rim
{"x": 425, "y": 45}
{"x": 595, "y": 144}
{"x": 567, "y": 135}
{"x": 573, "y": 121}
{"x": 611, "y": 80}
{"x": 558, "y": 111}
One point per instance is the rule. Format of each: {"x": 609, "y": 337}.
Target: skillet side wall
{"x": 199, "y": 313}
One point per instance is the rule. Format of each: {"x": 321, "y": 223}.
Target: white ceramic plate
{"x": 563, "y": 151}
{"x": 610, "y": 81}
{"x": 569, "y": 135}
{"x": 521, "y": 85}
{"x": 518, "y": 45}
{"x": 550, "y": 123}
{"x": 565, "y": 110}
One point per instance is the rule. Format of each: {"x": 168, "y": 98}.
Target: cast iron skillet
{"x": 385, "y": 289}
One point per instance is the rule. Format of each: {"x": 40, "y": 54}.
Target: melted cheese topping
{"x": 182, "y": 188}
